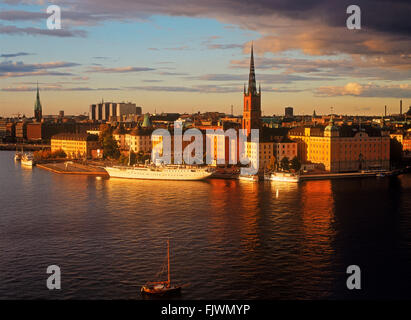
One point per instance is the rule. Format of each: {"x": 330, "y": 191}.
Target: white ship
{"x": 159, "y": 172}
{"x": 27, "y": 159}
{"x": 283, "y": 177}
{"x": 248, "y": 177}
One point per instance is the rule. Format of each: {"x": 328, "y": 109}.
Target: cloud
{"x": 64, "y": 33}
{"x": 265, "y": 78}
{"x": 224, "y": 46}
{"x": 367, "y": 90}
{"x": 316, "y": 27}
{"x": 20, "y": 69}
{"x": 198, "y": 89}
{"x": 120, "y": 69}
{"x": 14, "y": 55}
{"x": 55, "y": 88}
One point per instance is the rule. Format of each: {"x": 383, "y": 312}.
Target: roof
{"x": 75, "y": 136}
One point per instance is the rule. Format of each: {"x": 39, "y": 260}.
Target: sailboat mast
{"x": 168, "y": 260}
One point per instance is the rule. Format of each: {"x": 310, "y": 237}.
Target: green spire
{"x": 146, "y": 122}
{"x": 37, "y": 105}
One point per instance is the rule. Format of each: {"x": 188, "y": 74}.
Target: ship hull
{"x": 157, "y": 174}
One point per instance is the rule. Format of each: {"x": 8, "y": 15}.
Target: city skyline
{"x": 186, "y": 59}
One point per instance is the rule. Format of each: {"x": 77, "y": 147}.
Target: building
{"x": 406, "y": 144}
{"x": 106, "y": 111}
{"x": 38, "y": 112}
{"x": 37, "y": 131}
{"x": 285, "y": 148}
{"x": 76, "y": 145}
{"x": 261, "y": 153}
{"x": 3, "y": 128}
{"x": 252, "y": 101}
{"x": 21, "y": 130}
{"x": 289, "y": 112}
{"x": 343, "y": 149}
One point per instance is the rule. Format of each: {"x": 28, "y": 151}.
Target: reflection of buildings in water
{"x": 317, "y": 217}
{"x": 234, "y": 212}
{"x": 278, "y": 187}
{"x": 153, "y": 206}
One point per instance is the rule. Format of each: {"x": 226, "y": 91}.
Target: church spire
{"x": 252, "y": 87}
{"x": 37, "y": 106}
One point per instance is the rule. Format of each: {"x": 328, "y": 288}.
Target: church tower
{"x": 37, "y": 107}
{"x": 252, "y": 101}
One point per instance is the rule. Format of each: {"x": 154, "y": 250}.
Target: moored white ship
{"x": 248, "y": 177}
{"x": 284, "y": 177}
{"x": 27, "y": 159}
{"x": 159, "y": 172}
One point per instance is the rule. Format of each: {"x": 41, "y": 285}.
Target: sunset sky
{"x": 189, "y": 56}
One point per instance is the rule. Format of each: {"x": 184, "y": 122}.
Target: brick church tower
{"x": 252, "y": 101}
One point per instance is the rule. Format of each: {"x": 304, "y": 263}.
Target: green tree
{"x": 133, "y": 158}
{"x": 295, "y": 164}
{"x": 110, "y": 146}
{"x": 123, "y": 159}
{"x": 285, "y": 164}
{"x": 139, "y": 157}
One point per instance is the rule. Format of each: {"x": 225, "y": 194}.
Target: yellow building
{"x": 343, "y": 149}
{"x": 139, "y": 140}
{"x": 261, "y": 152}
{"x": 75, "y": 145}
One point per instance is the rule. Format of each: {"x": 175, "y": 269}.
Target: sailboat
{"x": 161, "y": 288}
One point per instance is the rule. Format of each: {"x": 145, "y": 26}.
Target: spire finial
{"x": 251, "y": 80}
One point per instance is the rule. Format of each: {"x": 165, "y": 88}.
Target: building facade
{"x": 75, "y": 145}
{"x": 345, "y": 149}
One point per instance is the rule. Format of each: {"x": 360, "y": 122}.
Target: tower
{"x": 252, "y": 101}
{"x": 37, "y": 106}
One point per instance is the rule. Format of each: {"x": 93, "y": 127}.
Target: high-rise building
{"x": 106, "y": 111}
{"x": 37, "y": 107}
{"x": 252, "y": 101}
{"x": 289, "y": 112}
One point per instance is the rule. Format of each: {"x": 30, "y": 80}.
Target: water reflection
{"x": 229, "y": 239}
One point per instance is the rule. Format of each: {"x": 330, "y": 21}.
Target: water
{"x": 230, "y": 239}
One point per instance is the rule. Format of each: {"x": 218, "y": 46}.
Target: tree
{"x": 110, "y": 146}
{"x": 133, "y": 158}
{"x": 123, "y": 159}
{"x": 139, "y": 156}
{"x": 285, "y": 164}
{"x": 295, "y": 164}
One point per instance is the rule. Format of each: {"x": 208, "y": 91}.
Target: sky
{"x": 190, "y": 55}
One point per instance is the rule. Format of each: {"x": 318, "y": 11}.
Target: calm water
{"x": 230, "y": 239}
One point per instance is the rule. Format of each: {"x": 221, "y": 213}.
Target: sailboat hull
{"x": 153, "y": 291}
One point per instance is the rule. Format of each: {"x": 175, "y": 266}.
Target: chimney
{"x": 400, "y": 107}
{"x": 385, "y": 111}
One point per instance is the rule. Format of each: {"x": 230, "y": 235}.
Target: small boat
{"x": 284, "y": 177}
{"x": 248, "y": 177}
{"x": 17, "y": 156}
{"x": 162, "y": 288}
{"x": 27, "y": 159}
